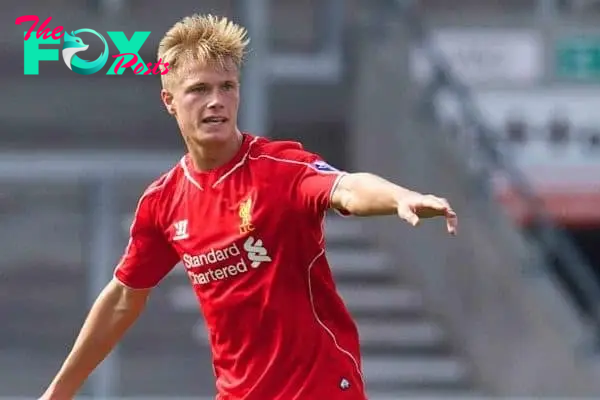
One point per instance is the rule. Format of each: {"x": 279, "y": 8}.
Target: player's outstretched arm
{"x": 113, "y": 312}
{"x": 365, "y": 194}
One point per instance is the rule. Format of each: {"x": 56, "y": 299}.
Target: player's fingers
{"x": 452, "y": 222}
{"x": 446, "y": 207}
{"x": 408, "y": 215}
{"x": 442, "y": 206}
{"x": 443, "y": 202}
{"x": 435, "y": 203}
{"x": 451, "y": 217}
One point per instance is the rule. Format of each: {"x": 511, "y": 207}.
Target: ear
{"x": 167, "y": 99}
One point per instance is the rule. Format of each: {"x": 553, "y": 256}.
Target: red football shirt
{"x": 250, "y": 235}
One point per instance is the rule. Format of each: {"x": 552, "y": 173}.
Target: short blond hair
{"x": 202, "y": 38}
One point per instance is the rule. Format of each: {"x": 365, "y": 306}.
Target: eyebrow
{"x": 207, "y": 84}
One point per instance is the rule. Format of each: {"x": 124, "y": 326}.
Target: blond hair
{"x": 202, "y": 38}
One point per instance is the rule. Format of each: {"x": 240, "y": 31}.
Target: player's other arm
{"x": 366, "y": 194}
{"x": 147, "y": 259}
{"x": 114, "y": 311}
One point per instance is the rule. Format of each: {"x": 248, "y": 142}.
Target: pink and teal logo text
{"x": 128, "y": 56}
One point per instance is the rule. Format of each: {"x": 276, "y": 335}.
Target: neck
{"x": 206, "y": 157}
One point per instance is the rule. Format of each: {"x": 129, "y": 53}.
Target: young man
{"x": 245, "y": 216}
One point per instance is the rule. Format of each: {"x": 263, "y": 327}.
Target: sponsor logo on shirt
{"x": 324, "y": 167}
{"x": 181, "y": 231}
{"x": 344, "y": 384}
{"x": 256, "y": 252}
{"x": 245, "y": 213}
{"x": 226, "y": 262}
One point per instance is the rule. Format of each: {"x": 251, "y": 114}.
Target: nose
{"x": 215, "y": 101}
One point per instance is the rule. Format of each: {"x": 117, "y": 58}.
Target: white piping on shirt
{"x": 329, "y": 332}
{"x": 187, "y": 174}
{"x": 305, "y": 164}
{"x": 238, "y": 165}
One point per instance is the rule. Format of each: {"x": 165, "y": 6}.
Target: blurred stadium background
{"x": 494, "y": 104}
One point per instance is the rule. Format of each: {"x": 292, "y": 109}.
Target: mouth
{"x": 214, "y": 120}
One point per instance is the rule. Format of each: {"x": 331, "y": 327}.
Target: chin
{"x": 215, "y": 135}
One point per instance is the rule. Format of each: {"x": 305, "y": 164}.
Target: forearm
{"x": 109, "y": 318}
{"x": 365, "y": 194}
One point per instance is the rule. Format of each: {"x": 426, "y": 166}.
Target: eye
{"x": 228, "y": 86}
{"x": 199, "y": 89}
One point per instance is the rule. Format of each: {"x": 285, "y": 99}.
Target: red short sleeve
{"x": 148, "y": 257}
{"x": 315, "y": 182}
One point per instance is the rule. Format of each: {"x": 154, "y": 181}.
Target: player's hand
{"x": 413, "y": 208}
